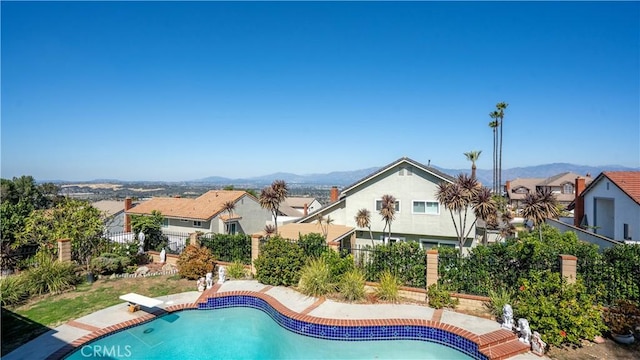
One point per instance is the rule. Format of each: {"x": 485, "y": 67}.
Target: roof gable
{"x": 204, "y": 207}
{"x": 627, "y": 181}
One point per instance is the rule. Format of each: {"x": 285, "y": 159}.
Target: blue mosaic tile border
{"x": 349, "y": 333}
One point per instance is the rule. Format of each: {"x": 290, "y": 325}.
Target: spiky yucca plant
{"x": 315, "y": 278}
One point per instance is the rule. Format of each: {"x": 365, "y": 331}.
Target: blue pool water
{"x": 244, "y": 333}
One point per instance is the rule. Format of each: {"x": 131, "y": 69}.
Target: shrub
{"x": 438, "y": 297}
{"x": 406, "y": 259}
{"x": 13, "y": 290}
{"x": 50, "y": 276}
{"x": 236, "y": 270}
{"x": 195, "y": 262}
{"x": 498, "y": 299}
{"x": 388, "y": 288}
{"x": 106, "y": 264}
{"x": 560, "y": 312}
{"x": 315, "y": 278}
{"x": 352, "y": 285}
{"x": 229, "y": 248}
{"x": 623, "y": 317}
{"x": 279, "y": 262}
{"x": 338, "y": 265}
{"x": 313, "y": 245}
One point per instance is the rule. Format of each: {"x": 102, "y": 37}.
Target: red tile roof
{"x": 627, "y": 181}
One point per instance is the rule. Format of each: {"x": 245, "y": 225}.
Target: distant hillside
{"x": 345, "y": 178}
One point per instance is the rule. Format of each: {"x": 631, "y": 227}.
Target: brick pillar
{"x": 64, "y": 249}
{"x": 194, "y": 240}
{"x": 127, "y": 217}
{"x": 432, "y": 267}
{"x": 255, "y": 250}
{"x": 568, "y": 267}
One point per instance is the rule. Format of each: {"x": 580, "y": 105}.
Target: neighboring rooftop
{"x": 204, "y": 207}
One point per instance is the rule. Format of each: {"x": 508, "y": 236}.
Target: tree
{"x": 473, "y": 157}
{"x": 498, "y": 116}
{"x": 324, "y": 224}
{"x": 493, "y": 124}
{"x": 539, "y": 206}
{"x": 272, "y": 196}
{"x": 74, "y": 219}
{"x": 388, "y": 212}
{"x": 229, "y": 206}
{"x": 151, "y": 227}
{"x": 363, "y": 220}
{"x": 461, "y": 195}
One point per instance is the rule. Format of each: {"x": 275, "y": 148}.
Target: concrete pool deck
{"x": 58, "y": 342}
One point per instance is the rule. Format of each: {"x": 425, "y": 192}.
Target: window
{"x": 391, "y": 240}
{"x": 426, "y": 207}
{"x": 184, "y": 220}
{"x": 567, "y": 188}
{"x": 197, "y": 223}
{"x": 626, "y": 233}
{"x": 435, "y": 243}
{"x": 233, "y": 228}
{"x": 165, "y": 222}
{"x": 379, "y": 205}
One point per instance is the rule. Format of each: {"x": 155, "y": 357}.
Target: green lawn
{"x": 23, "y": 323}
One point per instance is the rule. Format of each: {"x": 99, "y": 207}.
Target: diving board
{"x": 135, "y": 300}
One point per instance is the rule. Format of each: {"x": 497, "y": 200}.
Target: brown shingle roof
{"x": 204, "y": 207}
{"x": 298, "y": 202}
{"x": 627, "y": 181}
{"x": 293, "y": 231}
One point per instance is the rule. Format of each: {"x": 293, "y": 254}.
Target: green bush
{"x": 351, "y": 285}
{"x": 229, "y": 248}
{"x": 313, "y": 245}
{"x": 498, "y": 299}
{"x": 195, "y": 262}
{"x": 279, "y": 262}
{"x": 106, "y": 264}
{"x": 48, "y": 275}
{"x": 388, "y": 288}
{"x": 560, "y": 312}
{"x": 13, "y": 290}
{"x": 439, "y": 297}
{"x": 338, "y": 264}
{"x": 236, "y": 270}
{"x": 406, "y": 259}
{"x": 315, "y": 278}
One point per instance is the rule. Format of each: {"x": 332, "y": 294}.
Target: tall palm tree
{"x": 473, "y": 157}
{"x": 363, "y": 220}
{"x": 539, "y": 206}
{"x": 272, "y": 196}
{"x": 494, "y": 125}
{"x": 388, "y": 212}
{"x": 501, "y": 106}
{"x": 228, "y": 206}
{"x": 461, "y": 195}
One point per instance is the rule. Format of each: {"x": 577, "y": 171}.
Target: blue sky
{"x": 181, "y": 91}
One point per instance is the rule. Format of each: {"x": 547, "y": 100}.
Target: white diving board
{"x": 135, "y": 300}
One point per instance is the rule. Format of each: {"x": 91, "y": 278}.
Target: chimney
{"x": 127, "y": 217}
{"x": 334, "y": 194}
{"x": 508, "y": 186}
{"x": 306, "y": 209}
{"x": 578, "y": 210}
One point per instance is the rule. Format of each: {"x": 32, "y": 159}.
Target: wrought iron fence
{"x": 229, "y": 248}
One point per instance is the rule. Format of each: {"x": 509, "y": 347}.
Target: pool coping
{"x": 495, "y": 345}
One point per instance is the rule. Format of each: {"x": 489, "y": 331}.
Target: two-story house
{"x": 610, "y": 205}
{"x": 418, "y": 217}
{"x": 561, "y": 185}
{"x": 207, "y": 213}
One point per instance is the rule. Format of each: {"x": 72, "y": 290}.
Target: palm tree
{"x": 363, "y": 220}
{"x": 269, "y": 230}
{"x": 272, "y": 196}
{"x": 388, "y": 212}
{"x": 494, "y": 125}
{"x": 501, "y": 106}
{"x": 473, "y": 157}
{"x": 539, "y": 206}
{"x": 324, "y": 224}
{"x": 461, "y": 195}
{"x": 228, "y": 206}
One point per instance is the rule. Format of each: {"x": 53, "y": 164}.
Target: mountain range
{"x": 344, "y": 178}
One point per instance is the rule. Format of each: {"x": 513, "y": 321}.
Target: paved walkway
{"x": 56, "y": 341}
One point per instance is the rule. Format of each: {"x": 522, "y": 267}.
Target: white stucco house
{"x": 419, "y": 216}
{"x": 207, "y": 214}
{"x": 610, "y": 206}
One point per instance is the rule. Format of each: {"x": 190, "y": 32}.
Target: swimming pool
{"x": 247, "y": 333}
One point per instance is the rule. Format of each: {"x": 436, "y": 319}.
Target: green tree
{"x": 271, "y": 197}
{"x": 151, "y": 227}
{"x": 493, "y": 124}
{"x": 461, "y": 195}
{"x": 228, "y": 206}
{"x": 473, "y": 156}
{"x": 540, "y": 206}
